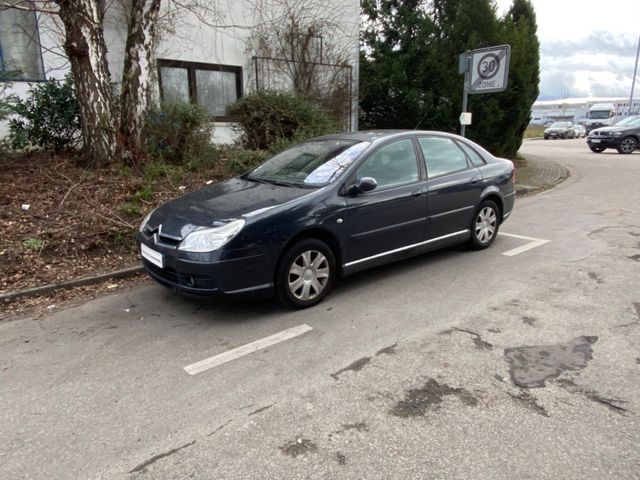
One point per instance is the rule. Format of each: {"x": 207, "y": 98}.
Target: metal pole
{"x": 464, "y": 100}
{"x": 633, "y": 82}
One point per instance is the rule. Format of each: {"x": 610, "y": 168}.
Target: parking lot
{"x": 519, "y": 361}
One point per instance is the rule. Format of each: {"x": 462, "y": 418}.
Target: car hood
{"x": 613, "y": 128}
{"x": 235, "y": 198}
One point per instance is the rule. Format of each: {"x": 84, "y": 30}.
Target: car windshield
{"x": 599, "y": 114}
{"x": 310, "y": 164}
{"x": 561, "y": 125}
{"x": 630, "y": 122}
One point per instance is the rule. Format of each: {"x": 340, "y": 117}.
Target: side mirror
{"x": 365, "y": 184}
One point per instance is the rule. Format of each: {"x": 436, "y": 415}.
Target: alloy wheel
{"x": 308, "y": 275}
{"x": 628, "y": 145}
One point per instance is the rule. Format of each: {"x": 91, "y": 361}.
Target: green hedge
{"x": 270, "y": 119}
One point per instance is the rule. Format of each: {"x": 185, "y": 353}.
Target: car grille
{"x": 161, "y": 238}
{"x": 173, "y": 277}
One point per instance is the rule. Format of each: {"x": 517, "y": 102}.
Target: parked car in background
{"x": 325, "y": 208}
{"x": 579, "y": 131}
{"x": 624, "y": 136}
{"x": 559, "y": 130}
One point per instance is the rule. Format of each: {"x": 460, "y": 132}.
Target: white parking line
{"x": 533, "y": 243}
{"x": 229, "y": 355}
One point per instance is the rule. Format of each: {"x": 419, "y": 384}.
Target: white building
{"x": 575, "y": 109}
{"x": 207, "y": 55}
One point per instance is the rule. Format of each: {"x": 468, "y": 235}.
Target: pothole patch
{"x": 532, "y": 366}
{"x": 419, "y": 401}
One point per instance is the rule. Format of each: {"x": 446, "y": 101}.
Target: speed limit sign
{"x": 489, "y": 68}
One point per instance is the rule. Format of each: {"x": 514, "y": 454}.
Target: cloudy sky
{"x": 587, "y": 47}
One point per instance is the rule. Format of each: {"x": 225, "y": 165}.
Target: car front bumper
{"x": 218, "y": 274}
{"x": 604, "y": 142}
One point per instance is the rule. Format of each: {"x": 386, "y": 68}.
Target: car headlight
{"x": 146, "y": 219}
{"x": 616, "y": 134}
{"x": 204, "y": 239}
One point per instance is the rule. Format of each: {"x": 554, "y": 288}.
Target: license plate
{"x": 150, "y": 254}
{"x": 595, "y": 140}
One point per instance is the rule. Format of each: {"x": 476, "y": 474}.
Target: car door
{"x": 393, "y": 215}
{"x": 454, "y": 187}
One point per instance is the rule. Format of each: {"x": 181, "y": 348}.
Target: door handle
{"x": 417, "y": 193}
{"x": 475, "y": 179}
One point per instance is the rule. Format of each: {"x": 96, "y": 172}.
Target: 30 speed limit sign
{"x": 489, "y": 68}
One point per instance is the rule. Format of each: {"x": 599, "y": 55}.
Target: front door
{"x": 393, "y": 215}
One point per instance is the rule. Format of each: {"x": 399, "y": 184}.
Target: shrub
{"x": 267, "y": 117}
{"x": 48, "y": 118}
{"x": 178, "y": 132}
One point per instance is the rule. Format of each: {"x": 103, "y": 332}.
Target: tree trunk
{"x": 85, "y": 47}
{"x": 136, "y": 77}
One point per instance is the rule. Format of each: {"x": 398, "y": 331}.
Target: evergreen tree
{"x": 409, "y": 67}
{"x": 503, "y": 133}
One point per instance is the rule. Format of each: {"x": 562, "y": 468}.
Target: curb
{"x": 79, "y": 282}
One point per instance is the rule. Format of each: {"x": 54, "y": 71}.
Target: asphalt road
{"x": 455, "y": 364}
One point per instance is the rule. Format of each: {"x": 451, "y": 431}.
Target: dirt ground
{"x": 60, "y": 221}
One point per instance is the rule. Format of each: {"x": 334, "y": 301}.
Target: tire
{"x": 305, "y": 273}
{"x": 485, "y": 225}
{"x": 546, "y": 137}
{"x": 627, "y": 145}
{"x": 597, "y": 149}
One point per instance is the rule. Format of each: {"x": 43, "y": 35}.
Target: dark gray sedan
{"x": 325, "y": 208}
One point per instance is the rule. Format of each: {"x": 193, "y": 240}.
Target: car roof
{"x": 374, "y": 136}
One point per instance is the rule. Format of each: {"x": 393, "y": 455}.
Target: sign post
{"x": 486, "y": 70}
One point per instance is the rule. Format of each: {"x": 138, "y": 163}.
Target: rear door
{"x": 393, "y": 215}
{"x": 454, "y": 187}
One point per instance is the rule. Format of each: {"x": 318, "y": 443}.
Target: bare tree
{"x": 138, "y": 66}
{"x": 85, "y": 47}
{"x": 295, "y": 48}
{"x": 105, "y": 135}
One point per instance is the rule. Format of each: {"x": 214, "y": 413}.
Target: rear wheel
{"x": 627, "y": 145}
{"x": 485, "y": 225}
{"x": 597, "y": 149}
{"x": 305, "y": 274}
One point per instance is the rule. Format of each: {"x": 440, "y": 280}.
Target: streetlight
{"x": 633, "y": 82}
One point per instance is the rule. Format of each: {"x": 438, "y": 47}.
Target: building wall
{"x": 192, "y": 40}
{"x": 575, "y": 109}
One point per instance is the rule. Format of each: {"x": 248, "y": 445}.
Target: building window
{"x": 20, "y": 55}
{"x": 215, "y": 87}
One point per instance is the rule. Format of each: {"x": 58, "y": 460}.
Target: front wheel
{"x": 627, "y": 145}
{"x": 597, "y": 149}
{"x": 485, "y": 225}
{"x": 305, "y": 273}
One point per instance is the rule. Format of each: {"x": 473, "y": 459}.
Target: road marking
{"x": 533, "y": 243}
{"x": 252, "y": 347}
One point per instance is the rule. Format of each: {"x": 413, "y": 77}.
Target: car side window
{"x": 474, "y": 156}
{"x": 392, "y": 165}
{"x": 442, "y": 156}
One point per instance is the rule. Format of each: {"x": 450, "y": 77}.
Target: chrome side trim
{"x": 447, "y": 184}
{"x": 407, "y": 247}
{"x": 250, "y": 289}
